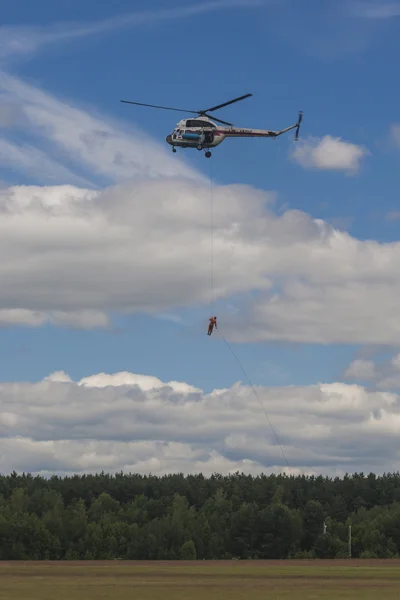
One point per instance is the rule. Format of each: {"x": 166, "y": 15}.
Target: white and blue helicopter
{"x": 202, "y": 133}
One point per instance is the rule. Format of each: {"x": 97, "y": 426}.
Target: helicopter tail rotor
{"x": 296, "y": 136}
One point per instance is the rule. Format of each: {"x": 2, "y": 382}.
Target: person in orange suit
{"x": 213, "y": 323}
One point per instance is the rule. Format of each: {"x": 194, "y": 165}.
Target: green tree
{"x": 103, "y": 505}
{"x": 328, "y": 546}
{"x": 146, "y": 517}
{"x": 188, "y": 551}
{"x": 280, "y": 529}
{"x": 313, "y": 519}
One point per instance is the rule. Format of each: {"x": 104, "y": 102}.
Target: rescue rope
{"x": 257, "y": 396}
{"x": 211, "y": 240}
{"x": 212, "y": 314}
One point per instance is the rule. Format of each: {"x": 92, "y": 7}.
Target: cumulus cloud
{"x": 331, "y": 288}
{"x": 361, "y": 369}
{"x": 138, "y": 423}
{"x": 74, "y": 256}
{"x": 329, "y": 153}
{"x": 384, "y": 374}
{"x": 58, "y": 376}
{"x": 145, "y": 382}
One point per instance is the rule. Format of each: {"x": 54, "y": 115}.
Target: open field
{"x": 203, "y": 580}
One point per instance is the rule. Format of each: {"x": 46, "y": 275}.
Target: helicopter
{"x": 202, "y": 133}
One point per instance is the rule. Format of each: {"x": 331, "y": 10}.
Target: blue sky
{"x": 334, "y": 64}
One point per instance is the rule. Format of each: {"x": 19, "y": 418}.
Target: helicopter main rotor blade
{"x": 225, "y": 104}
{"x": 218, "y": 120}
{"x": 195, "y": 112}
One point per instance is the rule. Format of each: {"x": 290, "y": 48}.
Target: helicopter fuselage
{"x": 196, "y": 133}
{"x": 204, "y": 133}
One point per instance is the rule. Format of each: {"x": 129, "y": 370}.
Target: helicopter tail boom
{"x": 296, "y": 127}
{"x": 235, "y": 132}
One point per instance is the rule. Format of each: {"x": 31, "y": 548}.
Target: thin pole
{"x": 349, "y": 541}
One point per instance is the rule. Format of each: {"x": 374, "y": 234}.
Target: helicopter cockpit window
{"x": 198, "y": 123}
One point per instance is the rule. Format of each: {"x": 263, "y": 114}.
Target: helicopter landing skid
{"x": 207, "y": 153}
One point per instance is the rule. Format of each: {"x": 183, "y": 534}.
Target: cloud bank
{"x": 137, "y": 423}
{"x": 75, "y": 255}
{"x": 127, "y": 229}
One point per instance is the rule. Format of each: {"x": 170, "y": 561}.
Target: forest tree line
{"x": 137, "y": 517}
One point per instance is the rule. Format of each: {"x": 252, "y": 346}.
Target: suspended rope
{"x": 257, "y": 396}
{"x": 211, "y": 240}
{"x": 212, "y": 313}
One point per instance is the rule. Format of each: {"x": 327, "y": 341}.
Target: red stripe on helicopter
{"x": 236, "y": 132}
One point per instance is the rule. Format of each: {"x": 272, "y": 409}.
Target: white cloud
{"x": 58, "y": 377}
{"x": 385, "y": 374}
{"x": 393, "y": 215}
{"x": 35, "y": 163}
{"x": 145, "y": 382}
{"x": 18, "y": 316}
{"x": 103, "y": 147}
{"x": 9, "y": 114}
{"x": 81, "y": 319}
{"x": 137, "y": 423}
{"x": 361, "y": 369}
{"x": 329, "y": 153}
{"x": 25, "y": 40}
{"x": 324, "y": 313}
{"x": 376, "y": 10}
{"x": 75, "y": 255}
{"x": 395, "y": 133}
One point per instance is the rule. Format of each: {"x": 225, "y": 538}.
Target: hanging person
{"x": 213, "y": 323}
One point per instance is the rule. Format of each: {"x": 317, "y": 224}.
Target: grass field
{"x": 205, "y": 580}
